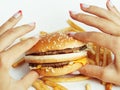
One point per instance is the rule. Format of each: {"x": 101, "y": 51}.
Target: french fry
{"x": 109, "y": 58}
{"x": 91, "y": 61}
{"x": 18, "y": 63}
{"x": 68, "y": 29}
{"x": 108, "y": 86}
{"x": 97, "y": 58}
{"x": 88, "y": 87}
{"x": 36, "y": 85}
{"x": 71, "y": 78}
{"x": 90, "y": 47}
{"x": 72, "y": 24}
{"x": 75, "y": 30}
{"x": 39, "y": 85}
{"x": 104, "y": 63}
{"x": 56, "y": 88}
{"x": 91, "y": 56}
{"x": 54, "y": 85}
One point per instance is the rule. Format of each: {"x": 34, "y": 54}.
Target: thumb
{"x": 92, "y": 71}
{"x": 28, "y": 79}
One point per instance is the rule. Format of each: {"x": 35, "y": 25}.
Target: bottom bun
{"x": 46, "y": 71}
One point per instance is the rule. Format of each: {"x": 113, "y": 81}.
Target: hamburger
{"x": 56, "y": 54}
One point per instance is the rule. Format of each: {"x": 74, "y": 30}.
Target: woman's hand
{"x": 108, "y": 21}
{"x": 8, "y": 55}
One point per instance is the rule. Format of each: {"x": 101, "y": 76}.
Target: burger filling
{"x": 54, "y": 65}
{"x": 50, "y": 66}
{"x": 58, "y": 64}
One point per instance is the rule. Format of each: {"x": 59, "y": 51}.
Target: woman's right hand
{"x": 108, "y": 21}
{"x": 9, "y": 54}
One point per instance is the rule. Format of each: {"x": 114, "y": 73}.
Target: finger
{"x": 117, "y": 60}
{"x": 101, "y": 12}
{"x": 9, "y": 36}
{"x": 16, "y": 51}
{"x": 92, "y": 71}
{"x": 29, "y": 79}
{"x": 100, "y": 23}
{"x": 98, "y": 38}
{"x": 11, "y": 22}
{"x": 112, "y": 8}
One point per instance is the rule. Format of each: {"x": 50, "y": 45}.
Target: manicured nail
{"x": 36, "y": 39}
{"x": 74, "y": 12}
{"x": 32, "y": 24}
{"x": 71, "y": 33}
{"x": 76, "y": 72}
{"x": 16, "y": 15}
{"x": 110, "y": 3}
{"x": 84, "y": 5}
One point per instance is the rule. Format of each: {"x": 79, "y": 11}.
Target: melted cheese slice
{"x": 83, "y": 61}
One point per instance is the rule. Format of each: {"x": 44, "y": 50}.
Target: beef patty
{"x": 63, "y": 51}
{"x": 54, "y": 65}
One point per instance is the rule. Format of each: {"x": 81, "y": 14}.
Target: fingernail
{"x": 76, "y": 72}
{"x": 32, "y": 24}
{"x": 36, "y": 39}
{"x": 84, "y": 5}
{"x": 16, "y": 15}
{"x": 110, "y": 3}
{"x": 34, "y": 73}
{"x": 71, "y": 33}
{"x": 73, "y": 12}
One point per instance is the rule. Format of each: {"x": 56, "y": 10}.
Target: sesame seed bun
{"x": 55, "y": 41}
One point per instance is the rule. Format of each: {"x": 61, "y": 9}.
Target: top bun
{"x": 55, "y": 41}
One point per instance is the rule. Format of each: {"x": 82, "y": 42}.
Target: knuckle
{"x": 11, "y": 31}
{"x": 26, "y": 43}
{"x": 30, "y": 42}
{"x": 82, "y": 17}
{"x": 91, "y": 8}
{"x": 104, "y": 75}
{"x": 11, "y": 20}
{"x": 2, "y": 56}
{"x": 92, "y": 35}
{"x": 116, "y": 44}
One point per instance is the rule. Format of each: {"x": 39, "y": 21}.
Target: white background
{"x": 49, "y": 15}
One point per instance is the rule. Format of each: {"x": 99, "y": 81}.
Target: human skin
{"x": 107, "y": 21}
{"x": 8, "y": 55}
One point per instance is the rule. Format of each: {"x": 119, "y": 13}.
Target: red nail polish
{"x": 19, "y": 13}
{"x": 84, "y": 5}
{"x": 69, "y": 11}
{"x": 81, "y": 5}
